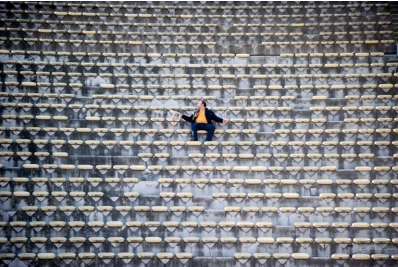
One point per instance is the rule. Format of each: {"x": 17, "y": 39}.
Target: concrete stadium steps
{"x": 94, "y": 172}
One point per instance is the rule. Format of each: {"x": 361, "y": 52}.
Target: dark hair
{"x": 203, "y": 102}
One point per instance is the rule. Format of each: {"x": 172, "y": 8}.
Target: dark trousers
{"x": 208, "y": 127}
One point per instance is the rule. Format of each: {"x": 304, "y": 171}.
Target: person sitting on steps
{"x": 202, "y": 120}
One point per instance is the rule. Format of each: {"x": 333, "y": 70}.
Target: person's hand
{"x": 225, "y": 122}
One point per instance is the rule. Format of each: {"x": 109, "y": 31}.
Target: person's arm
{"x": 187, "y": 118}
{"x": 215, "y": 118}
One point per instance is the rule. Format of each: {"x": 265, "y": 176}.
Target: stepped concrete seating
{"x": 94, "y": 171}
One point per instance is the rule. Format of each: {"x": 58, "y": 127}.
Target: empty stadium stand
{"x": 95, "y": 173}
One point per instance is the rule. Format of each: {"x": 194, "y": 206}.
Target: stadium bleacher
{"x": 94, "y": 171}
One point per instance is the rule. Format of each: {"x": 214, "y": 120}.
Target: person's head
{"x": 202, "y": 104}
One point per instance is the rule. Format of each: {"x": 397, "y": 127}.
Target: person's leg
{"x": 194, "y": 131}
{"x": 210, "y": 128}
